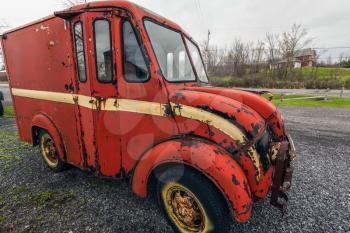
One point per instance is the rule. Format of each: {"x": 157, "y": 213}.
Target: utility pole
{"x": 207, "y": 51}
{"x": 208, "y": 41}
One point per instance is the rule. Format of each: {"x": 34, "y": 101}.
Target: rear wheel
{"x": 49, "y": 152}
{"x": 191, "y": 202}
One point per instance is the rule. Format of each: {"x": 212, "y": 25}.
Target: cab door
{"x": 102, "y": 67}
{"x": 143, "y": 95}
{"x": 83, "y": 114}
{"x": 100, "y": 142}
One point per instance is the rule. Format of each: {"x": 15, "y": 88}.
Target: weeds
{"x": 51, "y": 199}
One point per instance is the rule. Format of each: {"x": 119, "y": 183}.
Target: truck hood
{"x": 259, "y": 104}
{"x": 240, "y": 115}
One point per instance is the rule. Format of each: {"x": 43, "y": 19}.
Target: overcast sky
{"x": 327, "y": 21}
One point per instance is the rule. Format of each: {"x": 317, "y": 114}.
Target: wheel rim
{"x": 184, "y": 208}
{"x": 49, "y": 151}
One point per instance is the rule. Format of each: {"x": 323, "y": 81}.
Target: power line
{"x": 265, "y": 49}
{"x": 344, "y": 47}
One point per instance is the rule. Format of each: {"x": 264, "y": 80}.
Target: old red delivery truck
{"x": 119, "y": 91}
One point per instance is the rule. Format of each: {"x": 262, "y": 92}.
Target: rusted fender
{"x": 42, "y": 121}
{"x": 259, "y": 104}
{"x": 240, "y": 118}
{"x": 229, "y": 123}
{"x": 207, "y": 158}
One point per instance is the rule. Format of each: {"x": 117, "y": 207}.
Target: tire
{"x": 49, "y": 152}
{"x": 1, "y": 109}
{"x": 178, "y": 188}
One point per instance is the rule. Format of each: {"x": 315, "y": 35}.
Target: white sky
{"x": 327, "y": 21}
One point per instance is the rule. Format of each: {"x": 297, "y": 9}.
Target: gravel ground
{"x": 33, "y": 199}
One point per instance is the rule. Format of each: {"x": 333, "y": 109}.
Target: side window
{"x": 103, "y": 51}
{"x": 79, "y": 49}
{"x": 135, "y": 68}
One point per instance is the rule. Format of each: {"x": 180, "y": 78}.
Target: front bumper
{"x": 283, "y": 172}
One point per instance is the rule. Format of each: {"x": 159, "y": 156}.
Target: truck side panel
{"x": 39, "y": 58}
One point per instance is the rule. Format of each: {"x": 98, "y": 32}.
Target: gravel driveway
{"x": 33, "y": 199}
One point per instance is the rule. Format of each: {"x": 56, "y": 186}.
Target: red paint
{"x": 40, "y": 56}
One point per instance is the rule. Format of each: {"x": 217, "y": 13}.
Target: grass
{"x": 324, "y": 73}
{"x": 332, "y": 101}
{"x": 20, "y": 190}
{"x": 52, "y": 199}
{"x": 3, "y": 79}
{"x": 9, "y": 111}
{"x": 305, "y": 78}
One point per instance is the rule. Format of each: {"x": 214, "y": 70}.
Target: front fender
{"x": 206, "y": 157}
{"x": 44, "y": 122}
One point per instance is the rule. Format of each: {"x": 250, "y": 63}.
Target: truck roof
{"x": 133, "y": 8}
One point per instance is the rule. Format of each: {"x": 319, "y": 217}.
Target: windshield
{"x": 171, "y": 53}
{"x": 197, "y": 61}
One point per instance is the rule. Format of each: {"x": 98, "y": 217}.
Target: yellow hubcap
{"x": 49, "y": 151}
{"x": 184, "y": 209}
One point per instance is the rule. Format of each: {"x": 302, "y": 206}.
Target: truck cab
{"x": 121, "y": 92}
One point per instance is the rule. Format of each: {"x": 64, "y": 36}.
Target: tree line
{"x": 249, "y": 58}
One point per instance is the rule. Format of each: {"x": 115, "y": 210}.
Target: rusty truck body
{"x": 121, "y": 92}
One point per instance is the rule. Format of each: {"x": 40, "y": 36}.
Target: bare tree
{"x": 292, "y": 41}
{"x": 341, "y": 58}
{"x": 212, "y": 56}
{"x": 272, "y": 47}
{"x": 256, "y": 56}
{"x": 288, "y": 43}
{"x": 238, "y": 57}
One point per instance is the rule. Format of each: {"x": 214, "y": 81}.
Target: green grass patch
{"x": 3, "y": 79}
{"x": 9, "y": 111}
{"x": 42, "y": 198}
{"x": 83, "y": 201}
{"x": 332, "y": 102}
{"x": 305, "y": 78}
{"x": 324, "y": 73}
{"x": 20, "y": 190}
{"x": 52, "y": 199}
{"x": 2, "y": 200}
{"x": 7, "y": 156}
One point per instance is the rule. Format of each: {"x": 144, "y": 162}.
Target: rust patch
{"x": 234, "y": 180}
{"x": 231, "y": 119}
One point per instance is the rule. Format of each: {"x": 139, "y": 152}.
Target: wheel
{"x": 191, "y": 203}
{"x": 50, "y": 152}
{"x": 1, "y": 109}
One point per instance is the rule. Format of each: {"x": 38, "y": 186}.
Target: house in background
{"x": 306, "y": 57}
{"x": 302, "y": 58}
